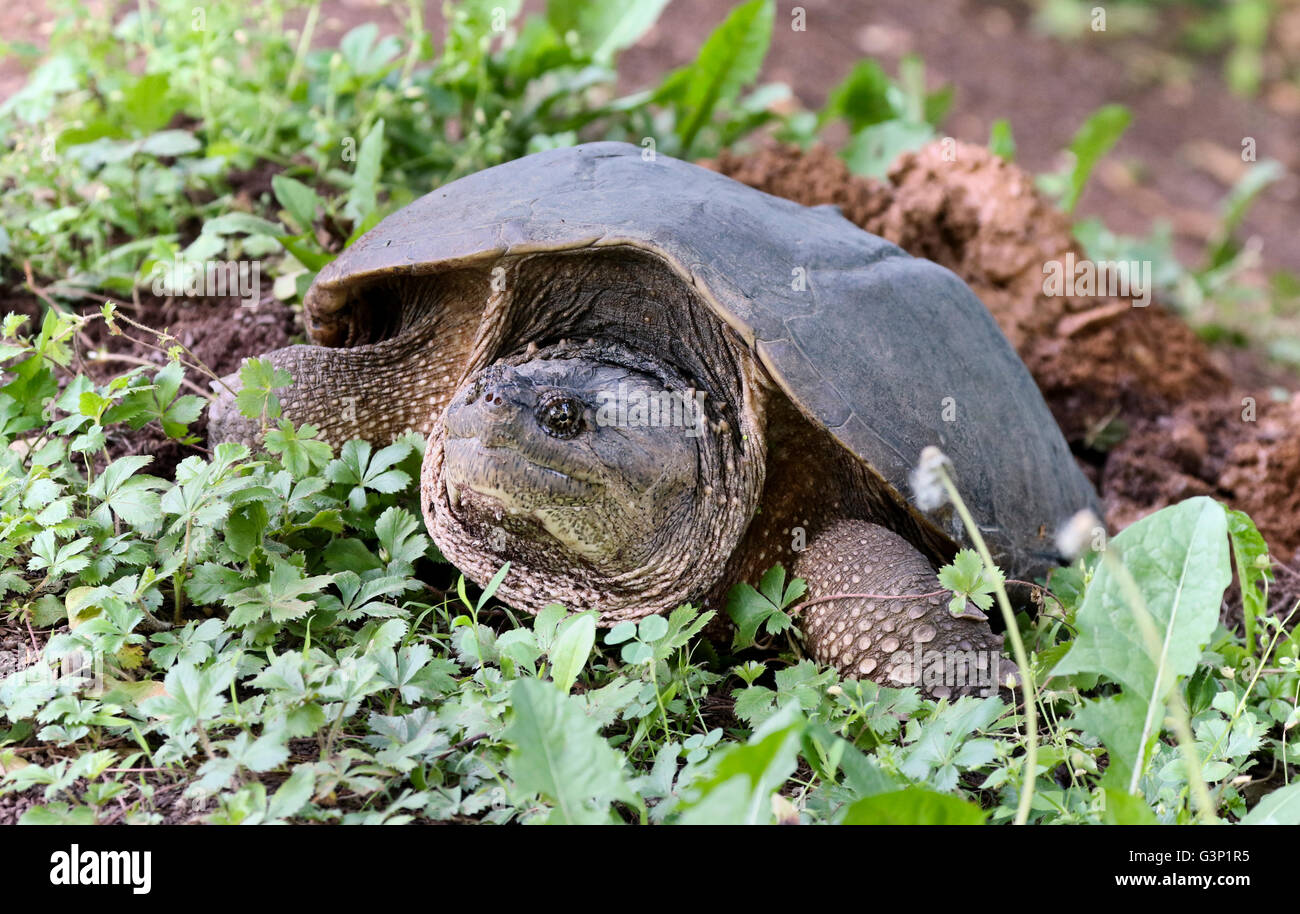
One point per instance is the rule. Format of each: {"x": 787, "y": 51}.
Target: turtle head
{"x": 588, "y": 469}
{"x": 543, "y": 451}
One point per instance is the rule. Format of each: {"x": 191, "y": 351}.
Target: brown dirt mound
{"x": 1104, "y": 366}
{"x": 219, "y": 332}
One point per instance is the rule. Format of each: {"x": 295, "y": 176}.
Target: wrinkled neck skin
{"x": 606, "y": 440}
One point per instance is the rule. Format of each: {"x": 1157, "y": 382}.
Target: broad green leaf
{"x": 574, "y": 640}
{"x": 1178, "y": 560}
{"x": 1001, "y": 142}
{"x": 969, "y": 580}
{"x": 362, "y": 197}
{"x": 297, "y": 448}
{"x": 306, "y": 250}
{"x": 605, "y": 28}
{"x": 730, "y": 58}
{"x": 652, "y": 628}
{"x": 171, "y": 143}
{"x": 1099, "y": 133}
{"x": 259, "y": 380}
{"x": 282, "y": 597}
{"x": 365, "y": 52}
{"x": 58, "y": 814}
{"x": 913, "y": 806}
{"x": 547, "y": 623}
{"x": 293, "y": 794}
{"x": 623, "y": 631}
{"x": 132, "y": 498}
{"x": 1281, "y": 807}
{"x": 872, "y": 150}
{"x": 1250, "y": 556}
{"x": 400, "y": 537}
{"x": 145, "y": 104}
{"x": 1243, "y": 194}
{"x": 1125, "y": 809}
{"x": 862, "y": 98}
{"x": 743, "y": 778}
{"x": 241, "y": 223}
{"x": 748, "y": 609}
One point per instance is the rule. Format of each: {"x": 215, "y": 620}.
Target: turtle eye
{"x": 561, "y": 416}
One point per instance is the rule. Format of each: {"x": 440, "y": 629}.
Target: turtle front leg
{"x": 375, "y": 392}
{"x": 891, "y": 635}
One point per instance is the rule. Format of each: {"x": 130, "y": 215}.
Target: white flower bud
{"x": 927, "y": 484}
{"x": 1081, "y": 533}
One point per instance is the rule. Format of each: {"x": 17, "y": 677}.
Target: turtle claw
{"x": 972, "y": 612}
{"x": 1009, "y": 676}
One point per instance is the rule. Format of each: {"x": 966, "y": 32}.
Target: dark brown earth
{"x": 220, "y": 333}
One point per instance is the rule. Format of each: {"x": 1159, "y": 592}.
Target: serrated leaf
{"x": 259, "y": 380}
{"x": 1250, "y": 556}
{"x": 1094, "y": 139}
{"x": 730, "y": 57}
{"x": 557, "y": 753}
{"x": 362, "y": 195}
{"x": 749, "y": 610}
{"x": 293, "y": 794}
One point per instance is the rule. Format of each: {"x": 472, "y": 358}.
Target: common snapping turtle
{"x": 644, "y": 382}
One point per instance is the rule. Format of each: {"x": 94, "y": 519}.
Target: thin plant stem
{"x": 1027, "y": 688}
{"x": 304, "y": 45}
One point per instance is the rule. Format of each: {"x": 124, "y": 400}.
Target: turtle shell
{"x": 877, "y": 346}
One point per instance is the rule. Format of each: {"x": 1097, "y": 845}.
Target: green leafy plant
{"x": 1098, "y": 134}
{"x": 969, "y": 581}
{"x": 764, "y": 608}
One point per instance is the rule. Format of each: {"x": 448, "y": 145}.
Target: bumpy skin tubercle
{"x": 911, "y": 639}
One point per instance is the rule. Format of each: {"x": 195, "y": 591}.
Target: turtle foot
{"x": 876, "y": 610}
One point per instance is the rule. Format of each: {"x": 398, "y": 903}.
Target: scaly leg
{"x": 375, "y": 392}
{"x": 896, "y": 640}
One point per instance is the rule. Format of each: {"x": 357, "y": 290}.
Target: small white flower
{"x": 1081, "y": 533}
{"x": 784, "y": 810}
{"x": 927, "y": 484}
